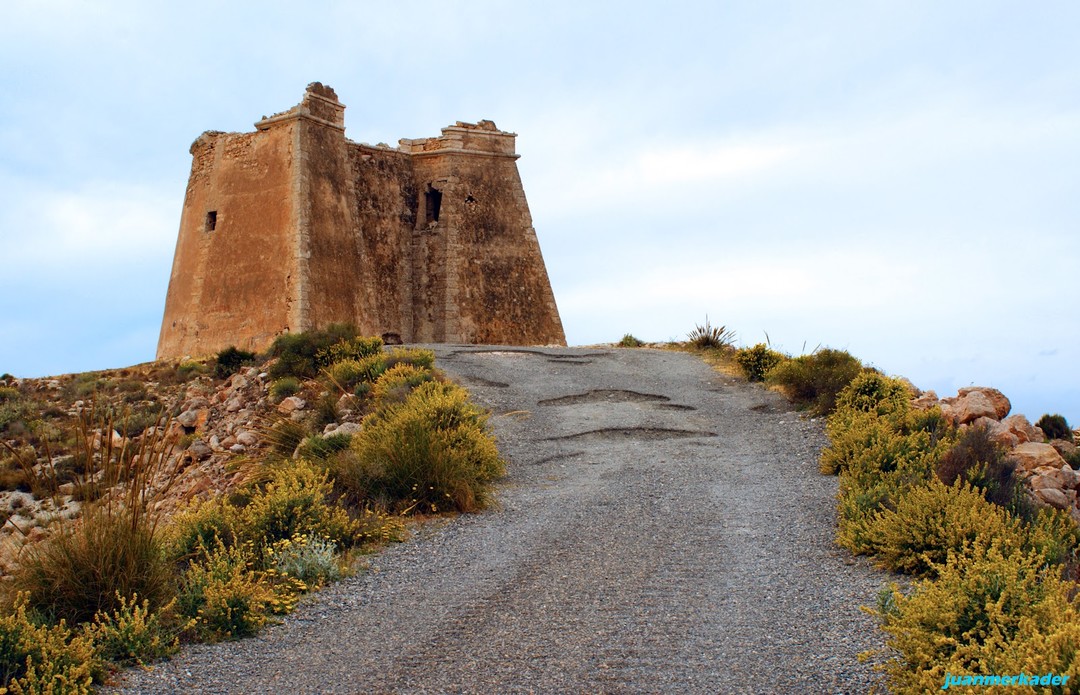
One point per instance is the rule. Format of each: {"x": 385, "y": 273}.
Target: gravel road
{"x": 663, "y": 528}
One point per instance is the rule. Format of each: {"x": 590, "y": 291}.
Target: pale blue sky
{"x": 898, "y": 179}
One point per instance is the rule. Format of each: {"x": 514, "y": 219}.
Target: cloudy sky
{"x": 898, "y": 179}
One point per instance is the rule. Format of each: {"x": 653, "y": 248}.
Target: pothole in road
{"x": 605, "y": 396}
{"x": 622, "y": 434}
{"x": 481, "y": 381}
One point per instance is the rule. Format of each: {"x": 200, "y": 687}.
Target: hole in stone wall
{"x": 470, "y": 199}
{"x": 211, "y": 220}
{"x": 432, "y": 204}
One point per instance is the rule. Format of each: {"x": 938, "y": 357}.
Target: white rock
{"x": 345, "y": 428}
{"x": 290, "y": 404}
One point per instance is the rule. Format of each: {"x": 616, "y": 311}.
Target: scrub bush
{"x": 978, "y": 460}
{"x": 37, "y": 658}
{"x": 814, "y": 381}
{"x": 230, "y": 360}
{"x": 756, "y": 362}
{"x": 1055, "y": 427}
{"x": 135, "y": 634}
{"x": 431, "y": 452}
{"x": 353, "y": 349}
{"x": 993, "y": 610}
{"x": 934, "y": 520}
{"x": 311, "y": 559}
{"x": 303, "y": 354}
{"x": 629, "y": 341}
{"x": 284, "y": 387}
{"x": 399, "y": 381}
{"x": 224, "y": 596}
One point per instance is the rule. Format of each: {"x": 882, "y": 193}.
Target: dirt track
{"x": 663, "y": 528}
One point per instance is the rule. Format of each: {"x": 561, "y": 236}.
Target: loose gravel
{"x": 663, "y": 528}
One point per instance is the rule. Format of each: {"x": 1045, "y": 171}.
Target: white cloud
{"x": 98, "y": 225}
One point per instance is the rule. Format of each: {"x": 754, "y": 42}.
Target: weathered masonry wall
{"x": 235, "y": 246}
{"x": 294, "y": 227}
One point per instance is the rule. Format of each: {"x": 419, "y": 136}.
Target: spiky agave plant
{"x": 709, "y": 336}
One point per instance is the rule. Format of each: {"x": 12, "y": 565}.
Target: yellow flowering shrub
{"x": 134, "y": 634}
{"x": 934, "y": 520}
{"x": 399, "y": 381}
{"x": 39, "y": 658}
{"x": 993, "y": 610}
{"x": 432, "y": 452}
{"x": 224, "y": 595}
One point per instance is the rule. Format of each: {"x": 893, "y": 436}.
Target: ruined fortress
{"x": 294, "y": 227}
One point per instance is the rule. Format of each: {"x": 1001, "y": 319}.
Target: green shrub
{"x": 185, "y": 371}
{"x": 711, "y": 337}
{"x": 347, "y": 374}
{"x": 284, "y": 387}
{"x": 880, "y": 460}
{"x": 298, "y": 354}
{"x": 629, "y": 341}
{"x": 16, "y": 412}
{"x": 874, "y": 393}
{"x": 9, "y": 393}
{"x": 293, "y": 501}
{"x": 976, "y": 459}
{"x": 756, "y": 362}
{"x": 36, "y": 658}
{"x": 815, "y": 380}
{"x": 431, "y": 452}
{"x": 320, "y": 448}
{"x": 1055, "y": 427}
{"x": 230, "y": 360}
{"x": 199, "y": 528}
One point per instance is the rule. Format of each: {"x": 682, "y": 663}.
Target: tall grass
{"x": 113, "y": 551}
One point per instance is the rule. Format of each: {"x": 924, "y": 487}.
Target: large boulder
{"x": 1001, "y": 404}
{"x": 999, "y": 433}
{"x": 969, "y": 407}
{"x": 1053, "y": 497}
{"x": 1032, "y": 455}
{"x": 1023, "y": 429}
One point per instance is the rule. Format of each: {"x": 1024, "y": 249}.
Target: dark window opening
{"x": 432, "y": 204}
{"x": 211, "y": 220}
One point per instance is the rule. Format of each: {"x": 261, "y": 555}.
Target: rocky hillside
{"x": 213, "y": 424}
{"x": 1044, "y": 464}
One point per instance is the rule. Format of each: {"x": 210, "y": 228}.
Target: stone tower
{"x": 294, "y": 227}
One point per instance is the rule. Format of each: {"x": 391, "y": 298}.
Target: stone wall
{"x": 293, "y": 227}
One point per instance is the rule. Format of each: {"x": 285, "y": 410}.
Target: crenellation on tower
{"x": 294, "y": 227}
